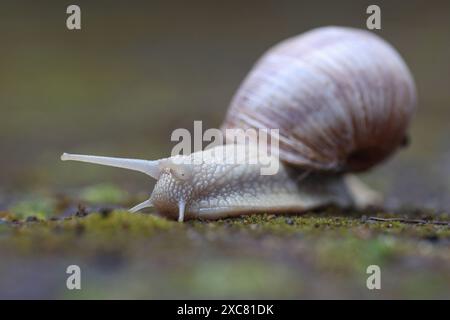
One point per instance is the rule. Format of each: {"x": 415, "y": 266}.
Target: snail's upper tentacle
{"x": 148, "y": 167}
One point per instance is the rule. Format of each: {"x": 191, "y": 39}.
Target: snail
{"x": 342, "y": 100}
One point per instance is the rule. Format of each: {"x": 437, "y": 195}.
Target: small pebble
{"x": 81, "y": 212}
{"x": 289, "y": 221}
{"x": 31, "y": 219}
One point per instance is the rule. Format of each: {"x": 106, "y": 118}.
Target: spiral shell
{"x": 341, "y": 98}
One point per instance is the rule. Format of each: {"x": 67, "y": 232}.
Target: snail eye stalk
{"x": 150, "y": 168}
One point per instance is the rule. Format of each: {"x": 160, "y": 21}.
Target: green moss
{"x": 39, "y": 207}
{"x": 119, "y": 224}
{"x": 323, "y": 253}
{"x": 103, "y": 194}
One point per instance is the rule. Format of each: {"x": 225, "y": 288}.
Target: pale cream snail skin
{"x": 342, "y": 100}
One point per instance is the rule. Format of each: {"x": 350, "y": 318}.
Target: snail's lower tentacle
{"x": 142, "y": 205}
{"x": 181, "y": 207}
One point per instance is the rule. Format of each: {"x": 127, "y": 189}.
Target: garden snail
{"x": 342, "y": 100}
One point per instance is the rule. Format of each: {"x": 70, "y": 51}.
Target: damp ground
{"x": 323, "y": 253}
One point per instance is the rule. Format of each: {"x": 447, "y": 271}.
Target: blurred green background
{"x": 138, "y": 70}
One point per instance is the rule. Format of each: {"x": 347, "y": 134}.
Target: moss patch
{"x": 103, "y": 194}
{"x": 322, "y": 254}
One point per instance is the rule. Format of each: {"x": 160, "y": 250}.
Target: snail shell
{"x": 341, "y": 98}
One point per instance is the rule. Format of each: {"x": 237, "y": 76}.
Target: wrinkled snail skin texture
{"x": 342, "y": 100}
{"x": 215, "y": 190}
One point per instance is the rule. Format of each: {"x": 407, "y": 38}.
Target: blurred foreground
{"x": 323, "y": 254}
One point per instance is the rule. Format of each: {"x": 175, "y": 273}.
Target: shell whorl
{"x": 342, "y": 99}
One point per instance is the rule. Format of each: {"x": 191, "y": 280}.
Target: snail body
{"x": 342, "y": 100}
